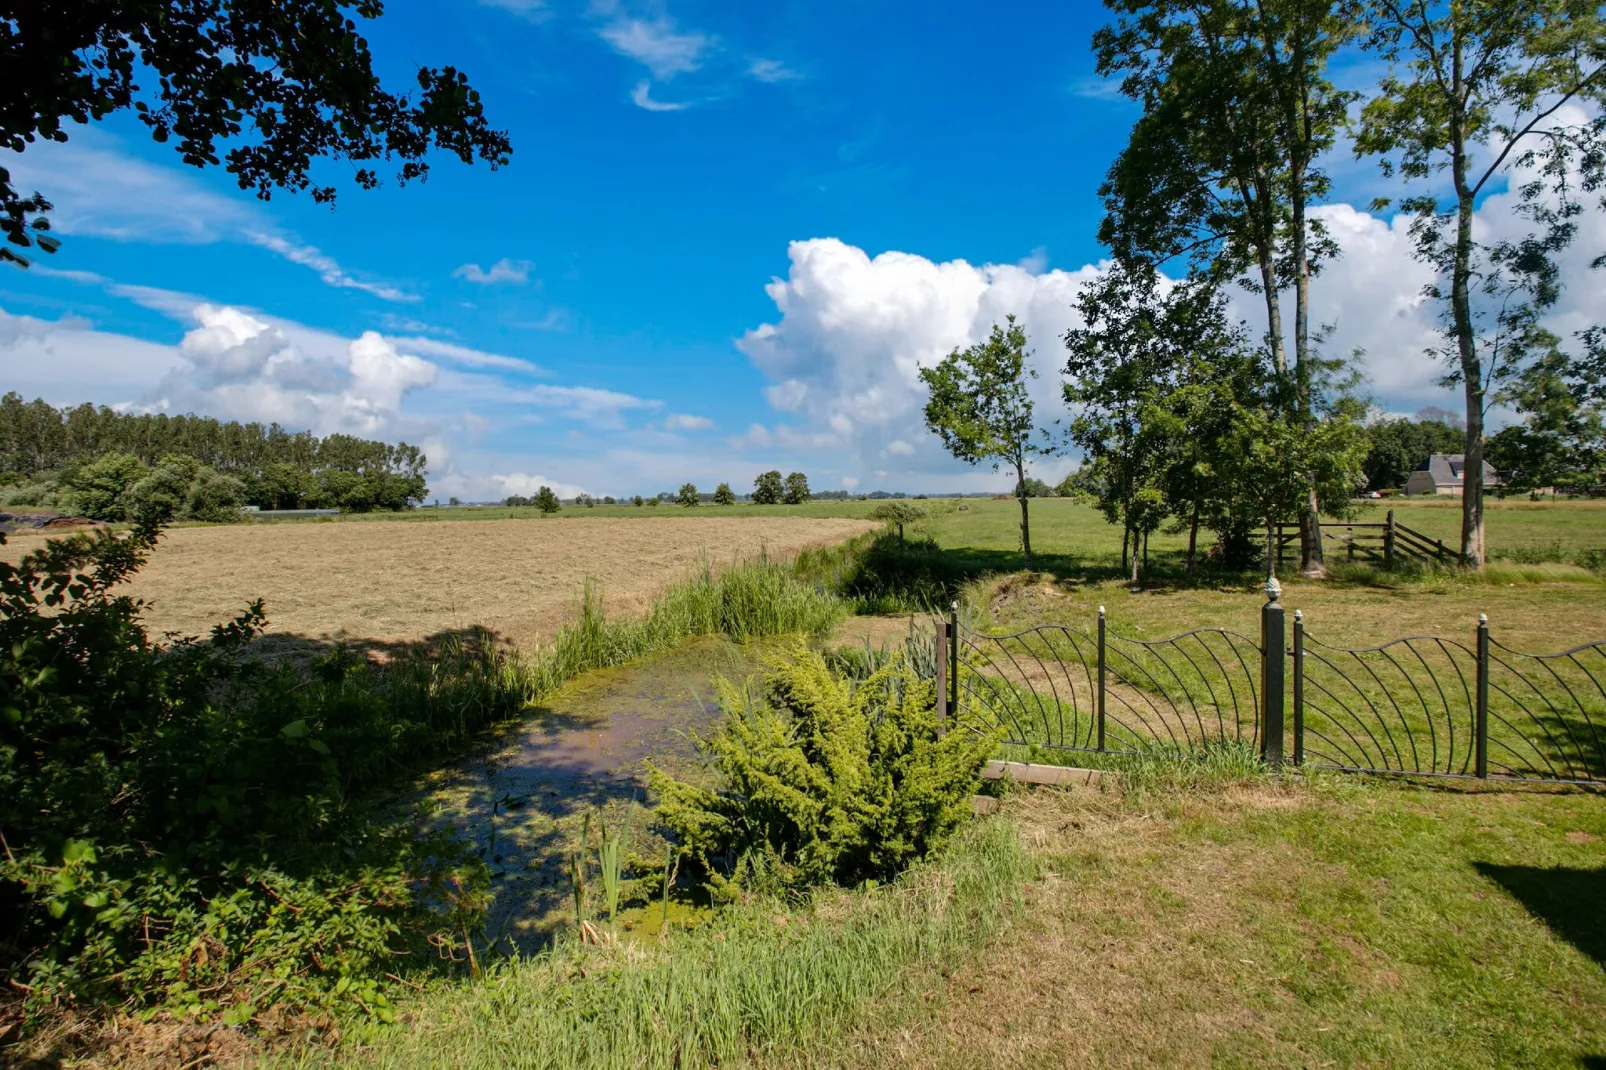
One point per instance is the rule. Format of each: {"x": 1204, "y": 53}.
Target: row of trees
{"x": 44, "y": 452}
{"x": 1187, "y": 417}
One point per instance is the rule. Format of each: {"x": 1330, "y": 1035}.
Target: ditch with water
{"x": 523, "y": 794}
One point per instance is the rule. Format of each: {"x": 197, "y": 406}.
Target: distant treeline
{"x": 44, "y": 452}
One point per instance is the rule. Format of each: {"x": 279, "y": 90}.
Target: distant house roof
{"x": 1448, "y": 470}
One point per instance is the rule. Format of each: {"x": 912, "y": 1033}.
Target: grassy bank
{"x": 763, "y": 980}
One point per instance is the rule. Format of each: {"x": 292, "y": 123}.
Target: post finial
{"x": 1483, "y": 618}
{"x": 1299, "y": 616}
{"x": 1101, "y": 611}
{"x": 1274, "y": 590}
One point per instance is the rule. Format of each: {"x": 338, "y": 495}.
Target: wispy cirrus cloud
{"x": 100, "y": 191}
{"x": 657, "y": 45}
{"x": 530, "y": 10}
{"x": 772, "y": 71}
{"x": 642, "y": 97}
{"x": 504, "y": 270}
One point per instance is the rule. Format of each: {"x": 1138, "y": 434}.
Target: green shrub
{"x": 824, "y": 780}
{"x": 180, "y": 821}
{"x": 688, "y": 495}
{"x": 99, "y": 489}
{"x": 723, "y": 495}
{"x": 214, "y": 498}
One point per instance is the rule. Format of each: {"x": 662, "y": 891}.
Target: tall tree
{"x": 768, "y": 488}
{"x": 979, "y": 407}
{"x": 797, "y": 489}
{"x": 283, "y": 84}
{"x": 1475, "y": 90}
{"x": 1221, "y": 167}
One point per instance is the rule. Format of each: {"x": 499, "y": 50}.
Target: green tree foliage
{"x": 1397, "y": 447}
{"x": 768, "y": 489}
{"x": 1561, "y": 441}
{"x": 100, "y": 487}
{"x": 979, "y": 407}
{"x": 1475, "y": 90}
{"x": 636, "y": 501}
{"x": 688, "y": 495}
{"x": 276, "y": 468}
{"x": 268, "y": 86}
{"x": 1181, "y": 419}
{"x": 797, "y": 489}
{"x": 1220, "y": 169}
{"x": 723, "y": 495}
{"x": 546, "y": 501}
{"x": 178, "y": 819}
{"x": 899, "y": 514}
{"x": 823, "y": 780}
{"x": 1033, "y": 488}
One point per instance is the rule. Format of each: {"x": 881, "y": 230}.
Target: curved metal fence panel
{"x": 1052, "y": 687}
{"x": 1424, "y": 705}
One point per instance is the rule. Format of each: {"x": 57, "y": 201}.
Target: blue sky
{"x": 729, "y": 236}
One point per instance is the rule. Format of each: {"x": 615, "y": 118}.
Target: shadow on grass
{"x": 1566, "y": 899}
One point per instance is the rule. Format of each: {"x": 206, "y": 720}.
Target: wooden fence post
{"x": 1388, "y": 542}
{"x": 941, "y": 653}
{"x": 1272, "y": 653}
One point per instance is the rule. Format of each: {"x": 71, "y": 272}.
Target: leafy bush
{"x": 178, "y": 818}
{"x": 546, "y": 501}
{"x": 99, "y": 488}
{"x": 688, "y": 495}
{"x": 723, "y": 495}
{"x": 825, "y": 780}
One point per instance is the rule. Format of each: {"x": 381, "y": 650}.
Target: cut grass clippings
{"x": 761, "y": 980}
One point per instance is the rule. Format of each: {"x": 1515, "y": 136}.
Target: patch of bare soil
{"x": 410, "y": 581}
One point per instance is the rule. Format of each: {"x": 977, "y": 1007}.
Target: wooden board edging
{"x": 1059, "y": 776}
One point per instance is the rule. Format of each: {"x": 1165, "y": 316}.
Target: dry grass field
{"x": 398, "y": 582}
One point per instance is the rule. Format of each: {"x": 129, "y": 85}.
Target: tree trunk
{"x": 1271, "y": 549}
{"x": 1126, "y": 537}
{"x": 1025, "y": 525}
{"x": 1472, "y": 545}
{"x": 1135, "y": 558}
{"x": 1193, "y": 534}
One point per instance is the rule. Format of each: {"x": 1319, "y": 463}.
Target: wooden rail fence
{"x": 1385, "y": 543}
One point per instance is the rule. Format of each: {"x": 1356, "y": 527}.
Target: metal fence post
{"x": 1299, "y": 687}
{"x": 941, "y": 653}
{"x": 1481, "y": 724}
{"x": 953, "y": 657}
{"x": 1272, "y": 653}
{"x": 1098, "y": 706}
{"x": 1388, "y": 541}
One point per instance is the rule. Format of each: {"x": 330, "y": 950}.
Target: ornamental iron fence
{"x": 1416, "y": 706}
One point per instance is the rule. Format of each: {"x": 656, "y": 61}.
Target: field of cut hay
{"x": 398, "y": 582}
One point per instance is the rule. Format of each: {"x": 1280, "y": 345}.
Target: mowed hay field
{"x": 401, "y": 582}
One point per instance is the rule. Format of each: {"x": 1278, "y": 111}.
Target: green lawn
{"x": 1351, "y": 925}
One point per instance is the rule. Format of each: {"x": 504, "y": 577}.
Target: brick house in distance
{"x": 1442, "y": 474}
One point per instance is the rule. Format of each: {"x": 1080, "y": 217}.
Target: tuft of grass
{"x": 755, "y": 983}
{"x": 746, "y": 601}
{"x": 1215, "y": 765}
